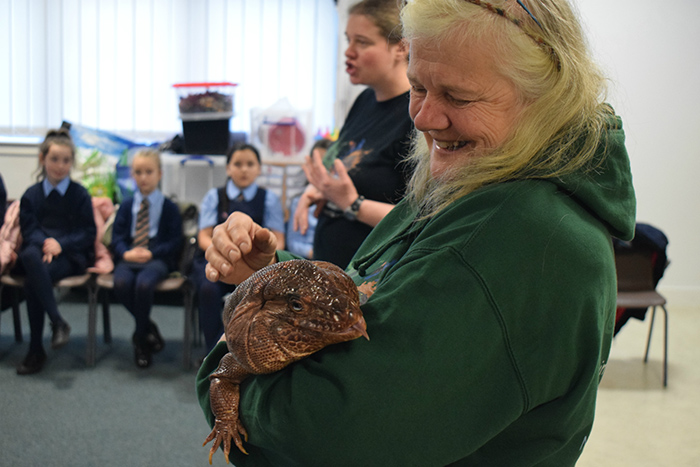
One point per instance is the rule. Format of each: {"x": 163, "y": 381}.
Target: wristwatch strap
{"x": 351, "y": 211}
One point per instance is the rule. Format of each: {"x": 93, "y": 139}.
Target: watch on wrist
{"x": 351, "y": 211}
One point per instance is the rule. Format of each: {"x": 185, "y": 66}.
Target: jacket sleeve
{"x": 32, "y": 234}
{"x": 121, "y": 230}
{"x": 169, "y": 232}
{"x": 82, "y": 236}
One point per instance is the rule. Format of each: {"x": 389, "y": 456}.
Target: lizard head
{"x": 304, "y": 305}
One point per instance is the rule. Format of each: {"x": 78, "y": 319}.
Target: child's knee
{"x": 31, "y": 255}
{"x": 122, "y": 284}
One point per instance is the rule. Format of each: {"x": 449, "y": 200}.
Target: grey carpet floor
{"x": 114, "y": 414}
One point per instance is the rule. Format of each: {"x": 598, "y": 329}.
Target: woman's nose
{"x": 350, "y": 51}
{"x": 428, "y": 115}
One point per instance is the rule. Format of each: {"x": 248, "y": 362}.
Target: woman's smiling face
{"x": 459, "y": 102}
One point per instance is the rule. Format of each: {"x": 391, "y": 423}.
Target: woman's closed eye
{"x": 456, "y": 101}
{"x": 417, "y": 90}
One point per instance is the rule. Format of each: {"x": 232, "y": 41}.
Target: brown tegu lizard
{"x": 279, "y": 315}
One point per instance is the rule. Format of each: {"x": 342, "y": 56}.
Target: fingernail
{"x": 213, "y": 275}
{"x": 225, "y": 268}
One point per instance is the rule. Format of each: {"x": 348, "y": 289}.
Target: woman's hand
{"x": 239, "y": 248}
{"x": 307, "y": 199}
{"x": 336, "y": 187}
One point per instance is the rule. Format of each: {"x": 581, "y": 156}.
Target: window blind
{"x": 111, "y": 64}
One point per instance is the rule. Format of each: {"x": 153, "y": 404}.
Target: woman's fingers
{"x": 239, "y": 247}
{"x": 301, "y": 218}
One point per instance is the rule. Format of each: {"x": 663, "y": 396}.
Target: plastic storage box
{"x": 205, "y": 110}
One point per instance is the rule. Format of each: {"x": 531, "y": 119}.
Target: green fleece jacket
{"x": 490, "y": 327}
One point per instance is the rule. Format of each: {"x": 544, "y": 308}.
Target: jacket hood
{"x": 607, "y": 191}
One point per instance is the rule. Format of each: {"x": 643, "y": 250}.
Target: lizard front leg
{"x": 224, "y": 397}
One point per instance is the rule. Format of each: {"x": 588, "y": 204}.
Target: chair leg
{"x": 187, "y": 344}
{"x": 107, "y": 324}
{"x": 663, "y": 307}
{"x": 665, "y": 357}
{"x": 16, "y": 318}
{"x": 197, "y": 332}
{"x": 651, "y": 328}
{"x": 91, "y": 351}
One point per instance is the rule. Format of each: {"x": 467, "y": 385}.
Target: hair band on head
{"x": 538, "y": 39}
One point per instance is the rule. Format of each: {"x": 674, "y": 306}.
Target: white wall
{"x": 648, "y": 49}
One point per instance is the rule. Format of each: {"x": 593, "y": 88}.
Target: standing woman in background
{"x": 369, "y": 177}
{"x": 58, "y": 232}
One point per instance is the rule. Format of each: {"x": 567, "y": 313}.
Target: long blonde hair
{"x": 561, "y": 125}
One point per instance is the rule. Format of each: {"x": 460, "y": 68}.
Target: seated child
{"x": 146, "y": 238}
{"x": 58, "y": 236}
{"x": 241, "y": 193}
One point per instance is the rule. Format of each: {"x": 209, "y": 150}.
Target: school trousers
{"x": 134, "y": 287}
{"x": 38, "y": 286}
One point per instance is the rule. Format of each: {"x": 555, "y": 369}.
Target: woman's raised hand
{"x": 239, "y": 248}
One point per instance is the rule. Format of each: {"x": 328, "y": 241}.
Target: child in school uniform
{"x": 58, "y": 238}
{"x": 146, "y": 237}
{"x": 241, "y": 193}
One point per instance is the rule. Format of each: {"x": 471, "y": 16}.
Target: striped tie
{"x": 142, "y": 227}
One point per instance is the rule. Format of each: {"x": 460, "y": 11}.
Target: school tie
{"x": 240, "y": 198}
{"x": 142, "y": 226}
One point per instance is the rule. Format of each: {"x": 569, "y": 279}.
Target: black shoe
{"x": 154, "y": 339}
{"x": 142, "y": 355}
{"x": 32, "y": 363}
{"x": 61, "y": 335}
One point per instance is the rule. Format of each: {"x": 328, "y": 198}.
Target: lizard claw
{"x": 223, "y": 432}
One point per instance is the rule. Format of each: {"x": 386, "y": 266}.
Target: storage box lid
{"x": 205, "y": 101}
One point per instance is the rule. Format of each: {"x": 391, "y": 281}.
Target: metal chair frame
{"x": 105, "y": 282}
{"x": 636, "y": 289}
{"x": 84, "y": 280}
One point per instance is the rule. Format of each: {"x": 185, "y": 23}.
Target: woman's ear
{"x": 402, "y": 49}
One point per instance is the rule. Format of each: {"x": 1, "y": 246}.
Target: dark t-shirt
{"x": 372, "y": 144}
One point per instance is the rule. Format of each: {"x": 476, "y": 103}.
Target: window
{"x": 111, "y": 64}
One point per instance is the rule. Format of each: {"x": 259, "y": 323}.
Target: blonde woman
{"x": 491, "y": 289}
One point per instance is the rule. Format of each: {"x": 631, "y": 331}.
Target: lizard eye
{"x": 296, "y": 304}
